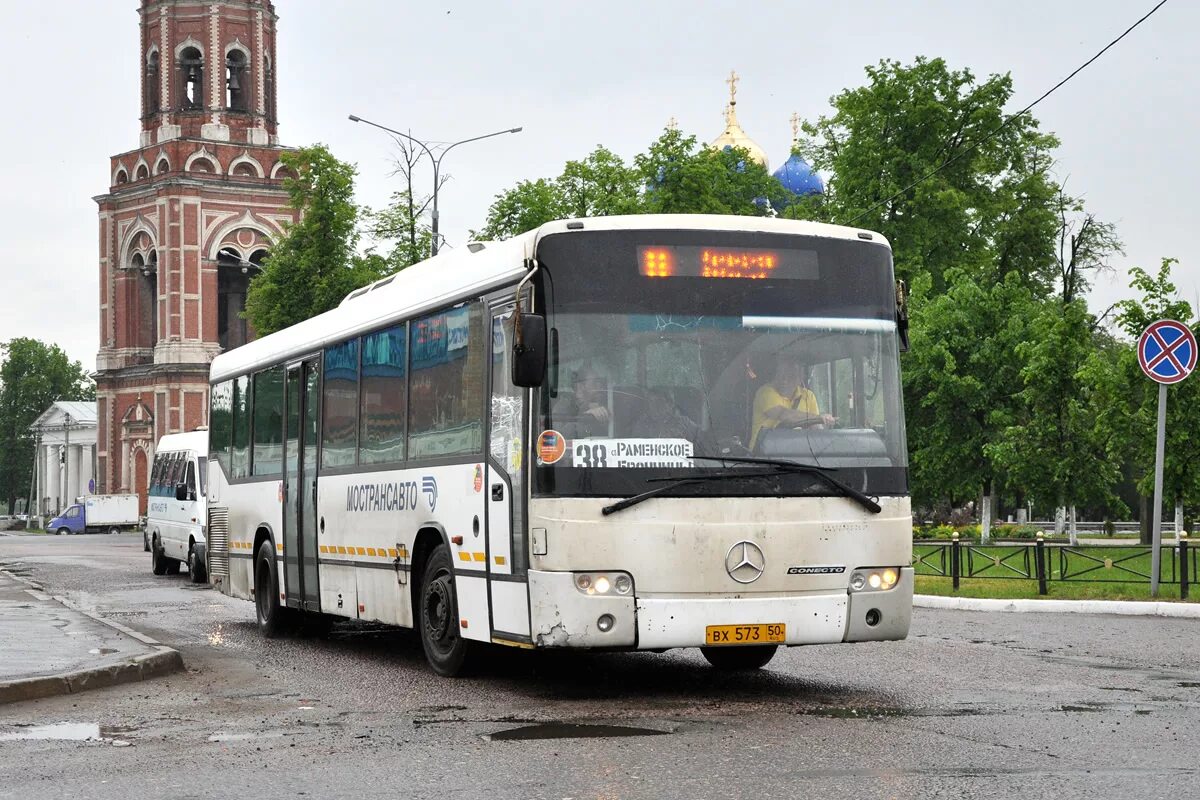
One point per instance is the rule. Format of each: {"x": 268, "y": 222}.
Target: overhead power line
{"x": 1010, "y": 119}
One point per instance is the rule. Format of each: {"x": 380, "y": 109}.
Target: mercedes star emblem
{"x": 745, "y": 562}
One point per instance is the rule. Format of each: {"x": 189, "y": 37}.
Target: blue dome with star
{"x": 799, "y": 178}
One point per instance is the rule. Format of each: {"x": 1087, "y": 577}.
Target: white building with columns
{"x": 65, "y": 464}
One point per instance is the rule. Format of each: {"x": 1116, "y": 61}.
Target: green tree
{"x": 987, "y": 206}
{"x": 1052, "y": 450}
{"x": 958, "y": 383}
{"x": 674, "y": 176}
{"x": 33, "y": 375}
{"x": 315, "y": 263}
{"x": 524, "y": 207}
{"x": 684, "y": 178}
{"x": 1130, "y": 416}
{"x": 600, "y": 185}
{"x": 403, "y": 228}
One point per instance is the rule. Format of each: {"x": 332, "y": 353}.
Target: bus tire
{"x": 158, "y": 562}
{"x": 272, "y": 617}
{"x": 437, "y": 618}
{"x": 739, "y": 658}
{"x": 196, "y": 567}
{"x": 63, "y": 532}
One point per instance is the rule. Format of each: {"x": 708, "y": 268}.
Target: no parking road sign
{"x": 1167, "y": 351}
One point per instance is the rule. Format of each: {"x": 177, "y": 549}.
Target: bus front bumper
{"x": 564, "y": 617}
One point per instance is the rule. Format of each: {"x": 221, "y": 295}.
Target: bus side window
{"x": 446, "y": 370}
{"x": 240, "y": 458}
{"x": 339, "y": 405}
{"x": 220, "y": 423}
{"x": 384, "y": 396}
{"x": 191, "y": 479}
{"x": 267, "y": 457}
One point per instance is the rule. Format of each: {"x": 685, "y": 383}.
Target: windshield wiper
{"x": 783, "y": 465}
{"x": 779, "y": 467}
{"x": 676, "y": 481}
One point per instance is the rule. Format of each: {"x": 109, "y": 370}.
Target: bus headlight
{"x": 604, "y": 583}
{"x": 879, "y": 579}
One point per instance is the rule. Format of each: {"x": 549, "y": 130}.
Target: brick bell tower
{"x": 188, "y": 215}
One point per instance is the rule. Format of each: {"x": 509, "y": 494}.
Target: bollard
{"x": 955, "y": 563}
{"x": 1040, "y": 561}
{"x": 1183, "y": 565}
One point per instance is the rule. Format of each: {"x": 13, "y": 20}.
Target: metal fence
{"x": 1049, "y": 563}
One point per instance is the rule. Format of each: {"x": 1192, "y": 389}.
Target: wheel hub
{"x": 437, "y": 608}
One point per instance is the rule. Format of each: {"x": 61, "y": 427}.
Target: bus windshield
{"x": 674, "y": 345}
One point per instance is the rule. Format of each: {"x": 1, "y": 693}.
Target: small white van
{"x": 177, "y": 512}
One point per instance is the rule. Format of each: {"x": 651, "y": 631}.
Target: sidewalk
{"x": 48, "y": 648}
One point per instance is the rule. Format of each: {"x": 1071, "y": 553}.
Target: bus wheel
{"x": 739, "y": 658}
{"x": 195, "y": 567}
{"x": 158, "y": 562}
{"x": 437, "y": 620}
{"x": 271, "y": 616}
{"x": 64, "y": 531}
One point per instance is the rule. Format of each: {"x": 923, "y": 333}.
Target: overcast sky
{"x": 578, "y": 74}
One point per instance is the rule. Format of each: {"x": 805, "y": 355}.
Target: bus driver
{"x": 785, "y": 400}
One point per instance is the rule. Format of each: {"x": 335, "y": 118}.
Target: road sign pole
{"x": 1159, "y": 452}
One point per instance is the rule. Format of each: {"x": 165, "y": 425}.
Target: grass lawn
{"x": 1091, "y": 573}
{"x": 1004, "y": 589}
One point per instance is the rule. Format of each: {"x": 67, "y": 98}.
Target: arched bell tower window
{"x": 237, "y": 88}
{"x": 233, "y": 280}
{"x": 269, "y": 84}
{"x": 191, "y": 74}
{"x": 153, "y": 100}
{"x": 144, "y": 321}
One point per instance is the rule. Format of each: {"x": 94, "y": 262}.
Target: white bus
{"x": 607, "y": 465}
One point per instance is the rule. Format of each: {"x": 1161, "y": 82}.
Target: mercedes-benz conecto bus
{"x": 623, "y": 433}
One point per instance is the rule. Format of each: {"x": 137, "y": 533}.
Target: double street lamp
{"x": 437, "y": 163}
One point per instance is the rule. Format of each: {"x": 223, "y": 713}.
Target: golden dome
{"x": 733, "y": 135}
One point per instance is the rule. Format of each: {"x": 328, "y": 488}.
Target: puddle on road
{"x": 569, "y": 730}
{"x": 65, "y": 732}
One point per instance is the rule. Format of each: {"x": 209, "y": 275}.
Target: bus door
{"x": 507, "y": 548}
{"x": 300, "y": 485}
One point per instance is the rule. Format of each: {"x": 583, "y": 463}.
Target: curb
{"x": 1119, "y": 607}
{"x": 163, "y": 661}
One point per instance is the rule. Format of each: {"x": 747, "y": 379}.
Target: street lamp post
{"x": 437, "y": 163}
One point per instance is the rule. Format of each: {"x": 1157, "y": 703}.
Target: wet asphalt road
{"x": 971, "y": 705}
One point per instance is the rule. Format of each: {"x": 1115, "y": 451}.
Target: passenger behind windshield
{"x": 786, "y": 400}
{"x": 586, "y": 405}
{"x": 662, "y": 419}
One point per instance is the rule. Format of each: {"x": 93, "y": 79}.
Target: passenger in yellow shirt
{"x": 786, "y": 401}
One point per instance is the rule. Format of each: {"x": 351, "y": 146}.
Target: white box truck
{"x": 97, "y": 513}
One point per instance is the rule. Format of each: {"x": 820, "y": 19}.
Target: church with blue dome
{"x": 796, "y": 175}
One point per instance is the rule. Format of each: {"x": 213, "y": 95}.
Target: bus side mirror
{"x": 529, "y": 351}
{"x": 902, "y": 314}
{"x": 181, "y": 492}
